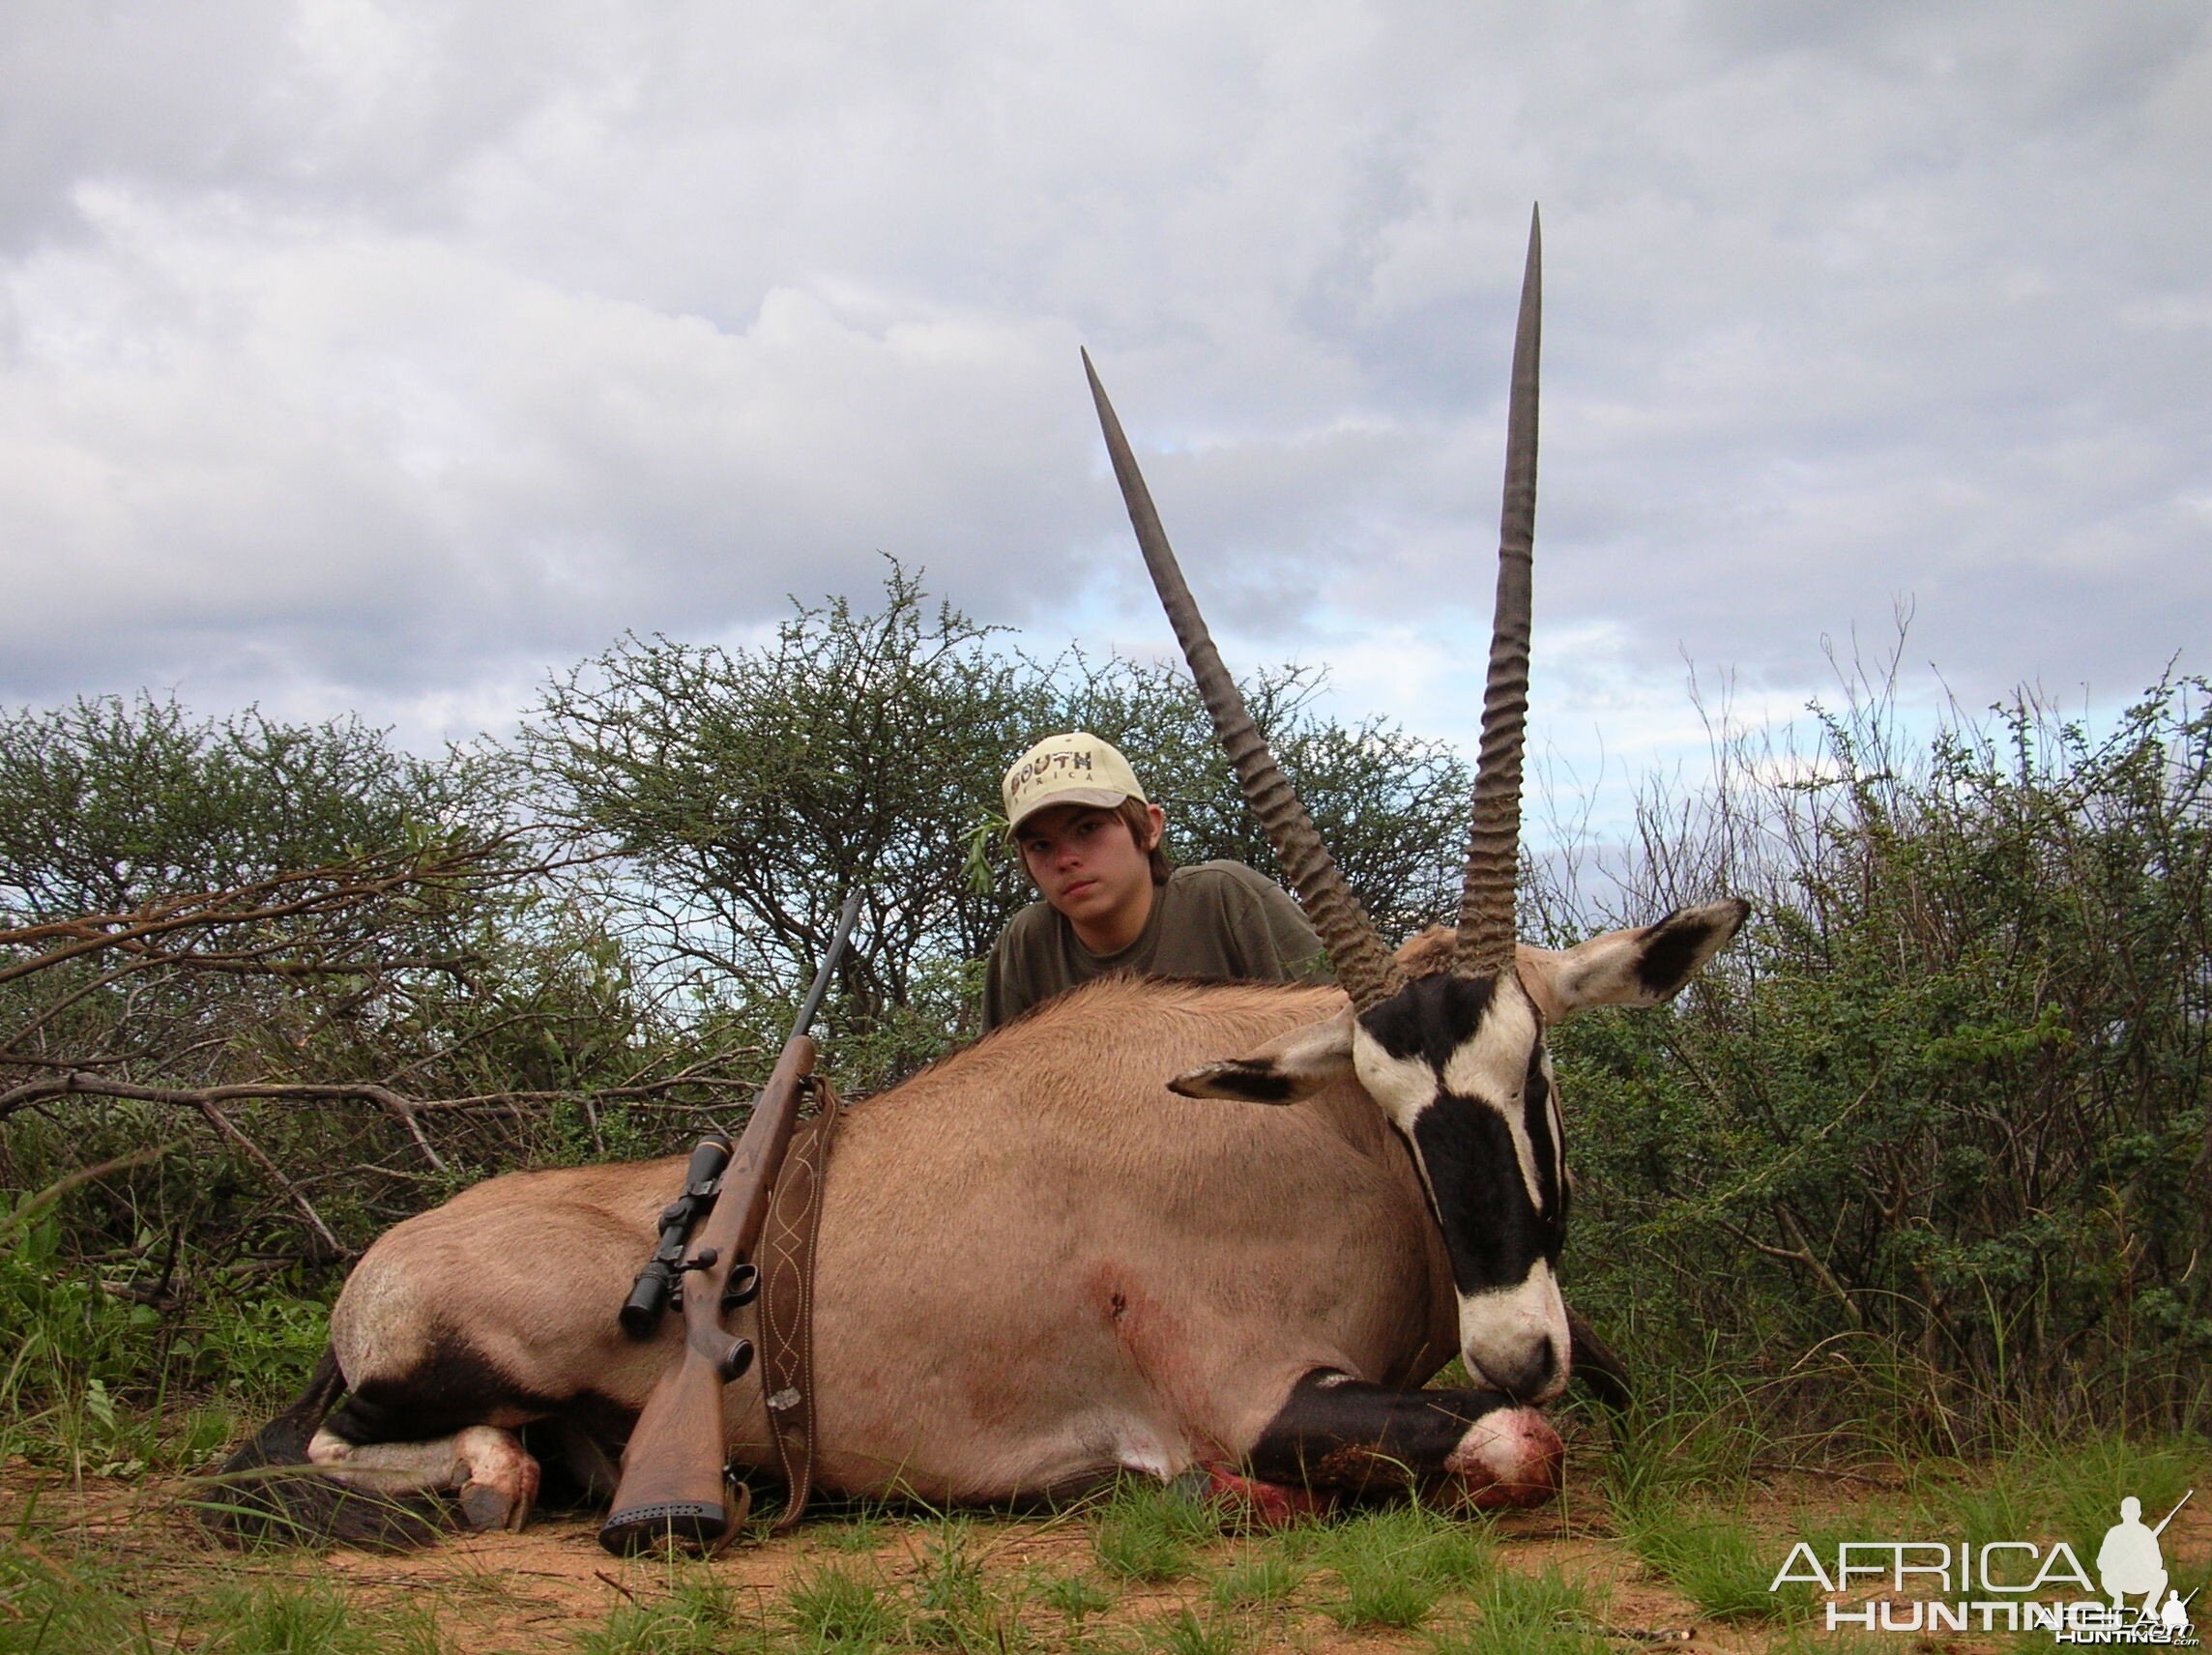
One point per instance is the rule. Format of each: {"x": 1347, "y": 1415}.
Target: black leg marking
{"x": 1343, "y": 1436}
{"x": 454, "y": 1387}
{"x": 257, "y": 1498}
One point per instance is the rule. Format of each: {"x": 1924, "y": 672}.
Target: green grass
{"x": 2064, "y": 1490}
{"x": 696, "y": 1615}
{"x": 1691, "y": 1432}
{"x": 1263, "y": 1579}
{"x": 1392, "y": 1565}
{"x": 1076, "y": 1597}
{"x": 862, "y": 1531}
{"x": 841, "y": 1608}
{"x": 54, "y": 1601}
{"x": 314, "y": 1618}
{"x": 1716, "y": 1561}
{"x": 954, "y": 1605}
{"x": 1146, "y": 1531}
{"x": 45, "y": 1607}
{"x": 1528, "y": 1614}
{"x": 895, "y": 1579}
{"x": 93, "y": 1383}
{"x": 291, "y": 1617}
{"x": 1187, "y": 1633}
{"x": 1812, "y": 1639}
{"x": 2042, "y": 1492}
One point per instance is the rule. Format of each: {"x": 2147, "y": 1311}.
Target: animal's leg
{"x": 586, "y": 1459}
{"x": 495, "y": 1476}
{"x": 1340, "y": 1435}
{"x": 502, "y": 1478}
{"x": 1270, "y": 1505}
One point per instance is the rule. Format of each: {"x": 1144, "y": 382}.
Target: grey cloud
{"x": 402, "y": 349}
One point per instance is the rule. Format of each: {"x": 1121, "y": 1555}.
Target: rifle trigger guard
{"x": 742, "y": 1287}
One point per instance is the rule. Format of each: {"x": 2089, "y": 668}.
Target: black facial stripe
{"x": 1493, "y": 1232}
{"x": 1429, "y": 1017}
{"x": 1536, "y": 1122}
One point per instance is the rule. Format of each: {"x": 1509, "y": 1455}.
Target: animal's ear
{"x": 1639, "y": 967}
{"x": 1286, "y": 1068}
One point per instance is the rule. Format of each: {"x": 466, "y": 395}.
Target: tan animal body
{"x": 1149, "y": 1226}
{"x": 1039, "y": 1267}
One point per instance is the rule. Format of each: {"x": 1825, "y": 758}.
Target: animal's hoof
{"x": 487, "y": 1506}
{"x": 1508, "y": 1458}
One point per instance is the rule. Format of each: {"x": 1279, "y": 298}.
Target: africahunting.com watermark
{"x": 2003, "y": 1586}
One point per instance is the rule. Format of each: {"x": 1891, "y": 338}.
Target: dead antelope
{"x": 1042, "y": 1264}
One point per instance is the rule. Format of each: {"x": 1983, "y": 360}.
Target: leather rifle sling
{"x": 787, "y": 1301}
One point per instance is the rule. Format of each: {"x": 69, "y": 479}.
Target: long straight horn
{"x": 1363, "y": 965}
{"x": 1486, "y": 936}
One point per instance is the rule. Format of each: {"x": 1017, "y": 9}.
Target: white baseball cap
{"x": 1074, "y": 768}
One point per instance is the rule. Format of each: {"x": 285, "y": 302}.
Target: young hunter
{"x": 1089, "y": 841}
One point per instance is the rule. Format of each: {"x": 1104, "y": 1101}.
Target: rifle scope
{"x": 702, "y": 1182}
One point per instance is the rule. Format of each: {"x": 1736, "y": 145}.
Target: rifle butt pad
{"x": 702, "y": 1527}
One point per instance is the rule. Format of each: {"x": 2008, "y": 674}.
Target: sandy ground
{"x": 541, "y": 1590}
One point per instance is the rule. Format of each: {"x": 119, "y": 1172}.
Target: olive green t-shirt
{"x": 1215, "y": 919}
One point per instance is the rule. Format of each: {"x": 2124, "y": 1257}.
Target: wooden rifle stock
{"x": 674, "y": 1483}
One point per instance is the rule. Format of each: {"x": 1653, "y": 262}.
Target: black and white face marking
{"x": 1459, "y": 1065}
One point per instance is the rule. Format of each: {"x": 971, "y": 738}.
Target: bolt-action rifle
{"x": 674, "y": 1483}
{"x": 2169, "y": 1517}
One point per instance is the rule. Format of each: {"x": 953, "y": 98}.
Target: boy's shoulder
{"x": 1220, "y": 880}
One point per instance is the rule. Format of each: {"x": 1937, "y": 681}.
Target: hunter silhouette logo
{"x": 2007, "y": 1585}
{"x": 2130, "y": 1564}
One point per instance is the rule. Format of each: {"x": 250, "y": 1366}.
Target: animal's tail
{"x": 267, "y": 1492}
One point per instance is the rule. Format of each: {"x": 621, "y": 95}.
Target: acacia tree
{"x": 112, "y": 803}
{"x": 749, "y": 789}
{"x": 1391, "y": 807}
{"x": 332, "y": 975}
{"x": 1949, "y": 1101}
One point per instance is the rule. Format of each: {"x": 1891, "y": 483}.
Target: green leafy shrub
{"x": 1930, "y": 1137}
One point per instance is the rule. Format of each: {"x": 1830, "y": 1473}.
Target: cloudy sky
{"x": 381, "y": 356}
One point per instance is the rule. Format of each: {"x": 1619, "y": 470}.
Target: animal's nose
{"x": 1534, "y": 1374}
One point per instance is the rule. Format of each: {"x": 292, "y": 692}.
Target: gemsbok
{"x": 1042, "y": 1261}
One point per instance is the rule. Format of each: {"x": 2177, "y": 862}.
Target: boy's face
{"x": 1089, "y": 866}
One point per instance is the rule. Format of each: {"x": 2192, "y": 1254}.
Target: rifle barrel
{"x": 2171, "y": 1515}
{"x": 845, "y": 917}
{"x": 673, "y": 1483}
